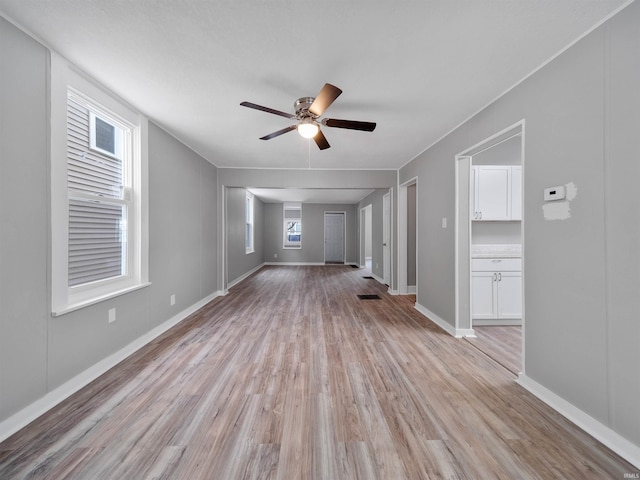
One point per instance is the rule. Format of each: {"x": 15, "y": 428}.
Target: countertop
{"x": 491, "y": 251}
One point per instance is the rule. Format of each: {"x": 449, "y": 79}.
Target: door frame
{"x": 403, "y": 225}
{"x": 366, "y": 232}
{"x": 386, "y": 239}
{"x": 344, "y": 233}
{"x": 463, "y": 322}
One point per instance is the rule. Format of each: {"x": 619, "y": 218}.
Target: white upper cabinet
{"x": 516, "y": 193}
{"x": 496, "y": 192}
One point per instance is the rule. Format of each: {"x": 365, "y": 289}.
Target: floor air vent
{"x": 369, "y": 297}
{"x": 368, "y": 277}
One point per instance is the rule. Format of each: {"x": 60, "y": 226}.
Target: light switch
{"x": 444, "y": 222}
{"x": 112, "y": 315}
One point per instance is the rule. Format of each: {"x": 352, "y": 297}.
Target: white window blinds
{"x": 97, "y": 196}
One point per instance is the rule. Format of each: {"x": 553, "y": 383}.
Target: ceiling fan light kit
{"x": 308, "y": 111}
{"x": 308, "y": 128}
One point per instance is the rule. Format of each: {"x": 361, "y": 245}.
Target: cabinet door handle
{"x": 495, "y": 277}
{"x": 480, "y": 215}
{"x": 499, "y": 277}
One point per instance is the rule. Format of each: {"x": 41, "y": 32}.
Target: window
{"x": 99, "y": 193}
{"x": 98, "y": 203}
{"x": 292, "y": 215}
{"x": 106, "y": 137}
{"x": 248, "y": 242}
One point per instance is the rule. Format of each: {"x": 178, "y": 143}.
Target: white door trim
{"x": 403, "y": 266}
{"x": 386, "y": 238}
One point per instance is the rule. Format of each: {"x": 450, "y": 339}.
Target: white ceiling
{"x": 416, "y": 67}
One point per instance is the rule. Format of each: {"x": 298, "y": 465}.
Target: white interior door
{"x": 386, "y": 239}
{"x": 334, "y": 237}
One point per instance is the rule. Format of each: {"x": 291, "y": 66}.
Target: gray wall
{"x": 239, "y": 262}
{"x": 271, "y": 178}
{"x": 312, "y": 250}
{"x": 496, "y": 233}
{"x": 505, "y": 153}
{"x": 24, "y": 232}
{"x": 38, "y": 352}
{"x": 582, "y": 114}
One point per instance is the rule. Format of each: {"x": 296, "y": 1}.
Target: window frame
{"x": 67, "y": 81}
{"x": 249, "y": 223}
{"x": 291, "y": 207}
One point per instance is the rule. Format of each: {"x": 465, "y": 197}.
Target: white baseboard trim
{"x": 242, "y": 277}
{"x": 443, "y": 324}
{"x": 605, "y": 435}
{"x": 28, "y": 414}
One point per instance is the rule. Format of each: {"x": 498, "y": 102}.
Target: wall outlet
{"x": 172, "y": 300}
{"x": 444, "y": 222}
{"x": 112, "y": 315}
{"x": 275, "y": 255}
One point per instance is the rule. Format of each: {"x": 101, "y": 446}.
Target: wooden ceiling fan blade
{"x": 279, "y": 132}
{"x": 349, "y": 124}
{"x": 267, "y": 109}
{"x": 321, "y": 140}
{"x": 326, "y": 97}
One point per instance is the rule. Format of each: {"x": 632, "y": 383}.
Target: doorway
{"x": 366, "y": 237}
{"x": 334, "y": 237}
{"x": 407, "y": 237}
{"x": 386, "y": 238}
{"x": 490, "y": 241}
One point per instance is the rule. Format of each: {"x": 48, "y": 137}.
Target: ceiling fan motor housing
{"x": 301, "y": 107}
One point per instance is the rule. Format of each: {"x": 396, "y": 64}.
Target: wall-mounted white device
{"x": 554, "y": 193}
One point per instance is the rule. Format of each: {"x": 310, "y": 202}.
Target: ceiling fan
{"x": 308, "y": 112}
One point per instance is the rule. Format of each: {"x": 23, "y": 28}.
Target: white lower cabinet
{"x": 496, "y": 289}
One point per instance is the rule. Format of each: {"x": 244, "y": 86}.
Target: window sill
{"x": 247, "y": 252}
{"x": 86, "y": 303}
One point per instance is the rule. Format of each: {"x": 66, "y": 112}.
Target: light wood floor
{"x": 290, "y": 376}
{"x": 502, "y": 344}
